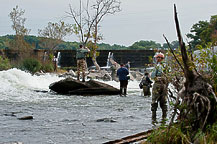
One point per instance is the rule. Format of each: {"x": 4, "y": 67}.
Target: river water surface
{"x": 60, "y": 119}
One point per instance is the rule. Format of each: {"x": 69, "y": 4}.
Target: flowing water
{"x": 60, "y": 119}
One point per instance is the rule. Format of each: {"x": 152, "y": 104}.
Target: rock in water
{"x": 26, "y": 118}
{"x": 74, "y": 87}
{"x": 12, "y": 143}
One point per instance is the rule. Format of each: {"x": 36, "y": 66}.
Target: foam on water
{"x": 67, "y": 119}
{"x": 133, "y": 86}
{"x": 19, "y": 85}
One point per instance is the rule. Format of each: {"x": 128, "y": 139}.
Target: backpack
{"x": 143, "y": 82}
{"x": 140, "y": 85}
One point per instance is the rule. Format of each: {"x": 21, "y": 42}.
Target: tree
{"x": 88, "y": 22}
{"x": 213, "y": 27}
{"x": 53, "y": 34}
{"x": 148, "y": 45}
{"x": 203, "y": 32}
{"x": 174, "y": 45}
{"x": 196, "y": 31}
{"x": 18, "y": 23}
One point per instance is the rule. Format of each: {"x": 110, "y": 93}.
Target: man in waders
{"x": 122, "y": 73}
{"x": 159, "y": 90}
{"x": 55, "y": 60}
{"x": 145, "y": 84}
{"x": 81, "y": 61}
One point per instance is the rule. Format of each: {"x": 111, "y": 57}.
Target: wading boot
{"x": 125, "y": 92}
{"x": 83, "y": 77}
{"x": 154, "y": 121}
{"x": 121, "y": 91}
{"x": 154, "y": 109}
{"x": 164, "y": 116}
{"x": 78, "y": 77}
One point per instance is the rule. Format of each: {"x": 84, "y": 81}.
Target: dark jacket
{"x": 81, "y": 53}
{"x": 145, "y": 82}
{"x": 122, "y": 73}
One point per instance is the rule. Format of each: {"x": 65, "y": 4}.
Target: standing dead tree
{"x": 198, "y": 107}
{"x": 88, "y": 22}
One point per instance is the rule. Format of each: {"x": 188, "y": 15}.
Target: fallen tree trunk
{"x": 133, "y": 138}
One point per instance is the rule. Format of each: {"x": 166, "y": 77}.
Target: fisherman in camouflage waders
{"x": 159, "y": 90}
{"x": 81, "y": 61}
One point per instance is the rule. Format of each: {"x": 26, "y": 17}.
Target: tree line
{"x": 87, "y": 19}
{"x": 35, "y": 42}
{"x": 86, "y": 27}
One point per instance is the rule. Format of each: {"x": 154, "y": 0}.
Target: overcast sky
{"x": 138, "y": 20}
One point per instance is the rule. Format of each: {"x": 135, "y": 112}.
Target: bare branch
{"x": 173, "y": 53}
{"x": 74, "y": 15}
{"x": 188, "y": 73}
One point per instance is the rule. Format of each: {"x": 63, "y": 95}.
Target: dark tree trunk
{"x": 198, "y": 97}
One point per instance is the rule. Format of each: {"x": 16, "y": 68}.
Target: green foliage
{"x": 52, "y": 35}
{"x": 4, "y": 63}
{"x": 47, "y": 67}
{"x": 31, "y": 64}
{"x": 211, "y": 135}
{"x": 174, "y": 45}
{"x": 196, "y": 31}
{"x": 68, "y": 46}
{"x": 164, "y": 135}
{"x": 36, "y": 43}
{"x": 207, "y": 64}
{"x": 178, "y": 135}
{"x": 145, "y": 45}
{"x": 18, "y": 22}
{"x": 203, "y": 32}
{"x": 56, "y": 31}
{"x": 103, "y": 46}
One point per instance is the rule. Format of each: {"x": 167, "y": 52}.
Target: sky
{"x": 138, "y": 19}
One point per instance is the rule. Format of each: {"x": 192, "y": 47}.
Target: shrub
{"x": 47, "y": 67}
{"x": 4, "y": 63}
{"x": 31, "y": 64}
{"x": 166, "y": 135}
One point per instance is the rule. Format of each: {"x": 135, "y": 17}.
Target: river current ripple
{"x": 60, "y": 119}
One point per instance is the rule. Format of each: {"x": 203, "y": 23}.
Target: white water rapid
{"x": 61, "y": 119}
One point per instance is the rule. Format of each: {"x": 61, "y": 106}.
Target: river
{"x": 61, "y": 119}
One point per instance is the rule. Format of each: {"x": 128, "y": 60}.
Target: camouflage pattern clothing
{"x": 81, "y": 67}
{"x": 81, "y": 62}
{"x": 159, "y": 92}
{"x": 159, "y": 95}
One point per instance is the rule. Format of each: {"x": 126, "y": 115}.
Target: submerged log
{"x": 71, "y": 86}
{"x": 131, "y": 139}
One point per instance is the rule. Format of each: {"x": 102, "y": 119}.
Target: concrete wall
{"x": 138, "y": 58}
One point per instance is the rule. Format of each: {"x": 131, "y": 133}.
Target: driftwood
{"x": 197, "y": 95}
{"x": 131, "y": 139}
